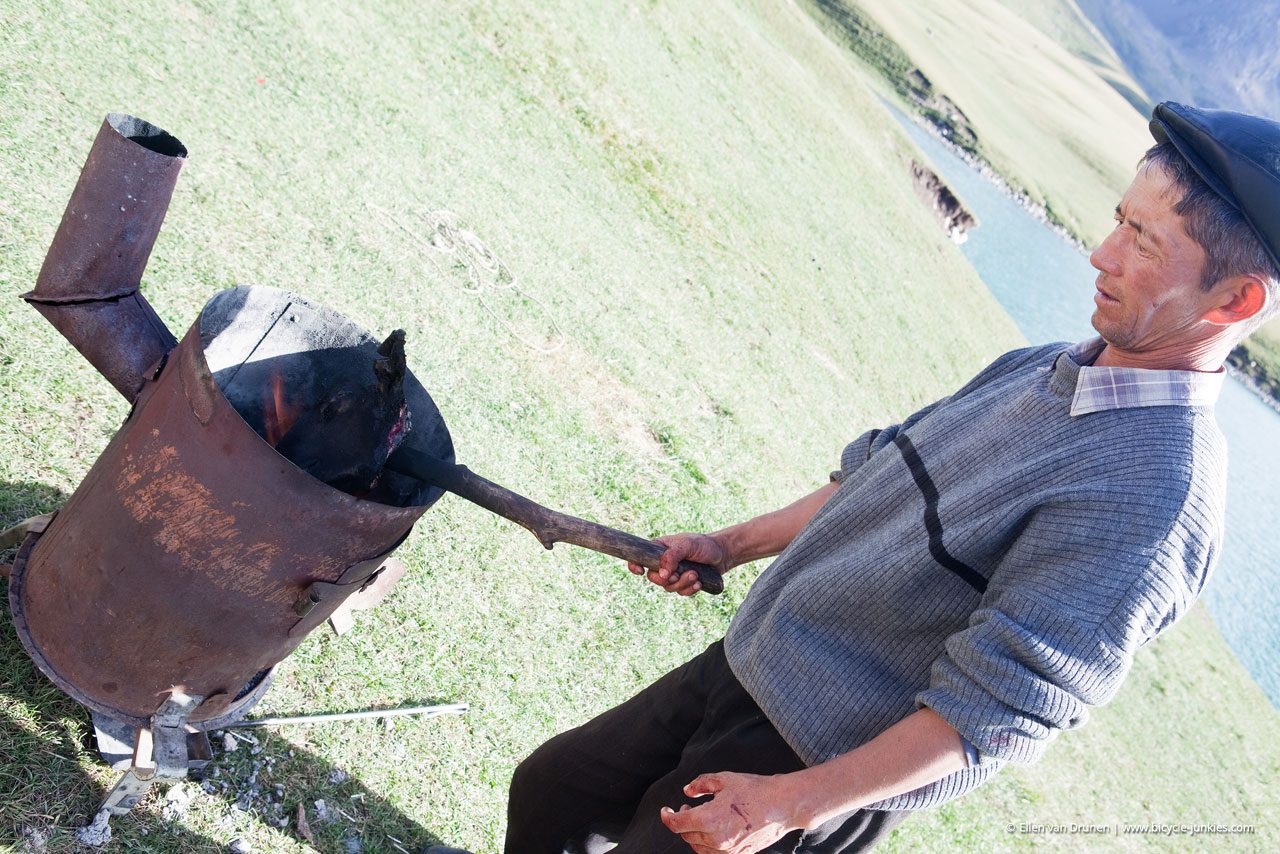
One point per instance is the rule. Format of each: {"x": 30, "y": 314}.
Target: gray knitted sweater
{"x": 992, "y": 558}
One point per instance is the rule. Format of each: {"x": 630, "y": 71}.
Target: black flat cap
{"x": 1237, "y": 155}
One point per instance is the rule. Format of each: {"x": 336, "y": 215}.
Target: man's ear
{"x": 1239, "y": 298}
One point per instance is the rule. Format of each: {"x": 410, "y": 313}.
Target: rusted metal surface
{"x": 88, "y": 286}
{"x": 182, "y": 557}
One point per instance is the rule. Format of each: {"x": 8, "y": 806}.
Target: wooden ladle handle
{"x": 547, "y": 525}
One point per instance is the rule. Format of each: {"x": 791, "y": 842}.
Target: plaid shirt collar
{"x": 1099, "y": 389}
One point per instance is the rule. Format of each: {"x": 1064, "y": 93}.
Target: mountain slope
{"x": 1225, "y": 54}
{"x": 1066, "y": 24}
{"x": 1047, "y": 121}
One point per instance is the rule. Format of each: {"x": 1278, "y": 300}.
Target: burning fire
{"x": 278, "y": 415}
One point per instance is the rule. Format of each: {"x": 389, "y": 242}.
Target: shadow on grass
{"x": 52, "y": 779}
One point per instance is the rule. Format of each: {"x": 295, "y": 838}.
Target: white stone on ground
{"x": 96, "y": 833}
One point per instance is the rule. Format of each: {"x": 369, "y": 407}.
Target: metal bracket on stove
{"x": 160, "y": 753}
{"x": 11, "y": 537}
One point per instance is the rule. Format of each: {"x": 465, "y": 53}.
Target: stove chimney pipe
{"x": 88, "y": 286}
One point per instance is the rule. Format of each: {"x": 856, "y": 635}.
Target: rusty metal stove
{"x": 193, "y": 557}
{"x": 193, "y": 554}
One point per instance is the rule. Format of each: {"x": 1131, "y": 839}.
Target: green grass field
{"x": 722, "y": 275}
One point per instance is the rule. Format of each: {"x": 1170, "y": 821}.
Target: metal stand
{"x": 425, "y": 711}
{"x": 160, "y": 753}
{"x": 170, "y": 748}
{"x": 116, "y": 743}
{"x": 11, "y": 537}
{"x": 371, "y": 593}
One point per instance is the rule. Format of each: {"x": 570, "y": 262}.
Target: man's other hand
{"x": 700, "y": 548}
{"x": 746, "y": 813}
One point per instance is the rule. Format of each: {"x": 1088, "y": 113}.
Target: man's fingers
{"x": 680, "y": 547}
{"x": 676, "y": 822}
{"x": 688, "y": 584}
{"x": 688, "y": 822}
{"x": 670, "y": 559}
{"x": 667, "y": 574}
{"x": 703, "y": 785}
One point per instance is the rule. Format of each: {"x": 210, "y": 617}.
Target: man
{"x": 973, "y": 578}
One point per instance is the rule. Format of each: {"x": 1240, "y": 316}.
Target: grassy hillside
{"x": 717, "y": 274}
{"x": 723, "y": 275}
{"x": 1046, "y": 121}
{"x": 1065, "y": 23}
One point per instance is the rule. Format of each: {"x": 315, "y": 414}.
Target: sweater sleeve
{"x": 1085, "y": 585}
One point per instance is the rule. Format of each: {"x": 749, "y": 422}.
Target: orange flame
{"x": 278, "y": 416}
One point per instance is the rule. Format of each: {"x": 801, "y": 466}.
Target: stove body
{"x": 193, "y": 557}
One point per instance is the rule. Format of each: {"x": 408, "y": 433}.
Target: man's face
{"x": 1149, "y": 298}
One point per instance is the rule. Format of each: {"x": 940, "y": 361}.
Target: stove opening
{"x": 327, "y": 395}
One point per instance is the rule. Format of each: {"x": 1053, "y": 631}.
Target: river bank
{"x": 1244, "y": 365}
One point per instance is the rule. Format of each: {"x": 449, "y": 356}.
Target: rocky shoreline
{"x": 979, "y": 164}
{"x": 951, "y": 214}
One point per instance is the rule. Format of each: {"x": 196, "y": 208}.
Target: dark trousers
{"x": 607, "y": 779}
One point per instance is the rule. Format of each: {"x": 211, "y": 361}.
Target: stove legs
{"x": 161, "y": 753}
